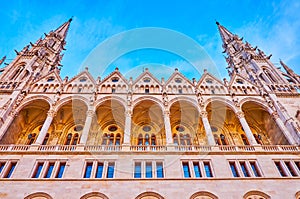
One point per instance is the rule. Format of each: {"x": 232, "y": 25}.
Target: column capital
{"x": 240, "y": 114}
{"x": 51, "y": 113}
{"x": 166, "y": 112}
{"x": 203, "y": 114}
{"x": 90, "y": 113}
{"x": 275, "y": 115}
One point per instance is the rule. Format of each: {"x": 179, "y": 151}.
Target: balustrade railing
{"x": 159, "y": 148}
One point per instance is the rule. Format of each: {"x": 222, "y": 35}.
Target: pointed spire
{"x": 63, "y": 29}
{"x": 286, "y": 68}
{"x": 225, "y": 34}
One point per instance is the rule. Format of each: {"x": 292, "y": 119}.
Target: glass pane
{"x": 110, "y": 170}
{"x": 290, "y": 168}
{"x": 197, "y": 170}
{"x": 233, "y": 169}
{"x": 99, "y": 170}
{"x": 1, "y": 166}
{"x": 159, "y": 170}
{"x": 38, "y": 170}
{"x": 186, "y": 170}
{"x": 11, "y": 170}
{"x": 88, "y": 170}
{"x": 207, "y": 169}
{"x": 279, "y": 167}
{"x": 244, "y": 169}
{"x": 254, "y": 169}
{"x": 50, "y": 169}
{"x": 148, "y": 170}
{"x": 137, "y": 170}
{"x": 61, "y": 170}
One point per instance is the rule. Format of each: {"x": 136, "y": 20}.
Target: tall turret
{"x": 249, "y": 62}
{"x": 37, "y": 59}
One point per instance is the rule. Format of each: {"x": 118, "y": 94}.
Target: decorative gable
{"x": 49, "y": 83}
{"x": 146, "y": 83}
{"x": 240, "y": 85}
{"x": 208, "y": 84}
{"x": 178, "y": 84}
{"x": 81, "y": 83}
{"x": 114, "y": 83}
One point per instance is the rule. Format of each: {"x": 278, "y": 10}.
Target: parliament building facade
{"x": 146, "y": 138}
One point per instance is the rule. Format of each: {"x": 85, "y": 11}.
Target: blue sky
{"x": 273, "y": 26}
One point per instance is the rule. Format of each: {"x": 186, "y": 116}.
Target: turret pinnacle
{"x": 63, "y": 29}
{"x": 225, "y": 34}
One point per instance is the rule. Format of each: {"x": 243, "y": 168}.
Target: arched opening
{"x": 262, "y": 124}
{"x": 147, "y": 124}
{"x": 186, "y": 124}
{"x": 94, "y": 195}
{"x": 108, "y": 126}
{"x": 27, "y": 124}
{"x": 225, "y": 124}
{"x": 256, "y": 195}
{"x": 38, "y": 195}
{"x": 149, "y": 195}
{"x": 203, "y": 195}
{"x": 69, "y": 120}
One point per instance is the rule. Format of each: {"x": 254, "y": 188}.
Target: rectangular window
{"x": 234, "y": 169}
{"x": 2, "y": 164}
{"x": 298, "y": 165}
{"x": 49, "y": 170}
{"x": 207, "y": 168}
{"x": 290, "y": 168}
{"x": 149, "y": 170}
{"x": 88, "y": 170}
{"x": 99, "y": 170}
{"x": 159, "y": 170}
{"x": 38, "y": 170}
{"x": 137, "y": 170}
{"x": 11, "y": 169}
{"x": 255, "y": 169}
{"x": 244, "y": 169}
{"x": 110, "y": 170}
{"x": 61, "y": 169}
{"x": 197, "y": 169}
{"x": 186, "y": 170}
{"x": 280, "y": 169}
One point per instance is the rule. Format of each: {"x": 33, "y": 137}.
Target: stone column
{"x": 282, "y": 127}
{"x": 246, "y": 128}
{"x": 208, "y": 132}
{"x": 127, "y": 130}
{"x": 45, "y": 127}
{"x": 168, "y": 129}
{"x": 87, "y": 126}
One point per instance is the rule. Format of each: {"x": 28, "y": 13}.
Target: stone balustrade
{"x": 143, "y": 148}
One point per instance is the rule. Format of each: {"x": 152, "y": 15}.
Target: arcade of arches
{"x": 148, "y": 123}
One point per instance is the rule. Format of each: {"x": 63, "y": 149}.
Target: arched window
{"x": 175, "y": 139}
{"x": 149, "y": 195}
{"x": 187, "y": 139}
{"x": 153, "y": 140}
{"x": 140, "y": 139}
{"x": 147, "y": 142}
{"x": 75, "y": 139}
{"x": 118, "y": 139}
{"x": 245, "y": 140}
{"x": 111, "y": 139}
{"x": 258, "y": 138}
{"x": 38, "y": 195}
{"x": 104, "y": 139}
{"x": 31, "y": 138}
{"x": 46, "y": 139}
{"x": 69, "y": 138}
{"x": 203, "y": 195}
{"x": 223, "y": 139}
